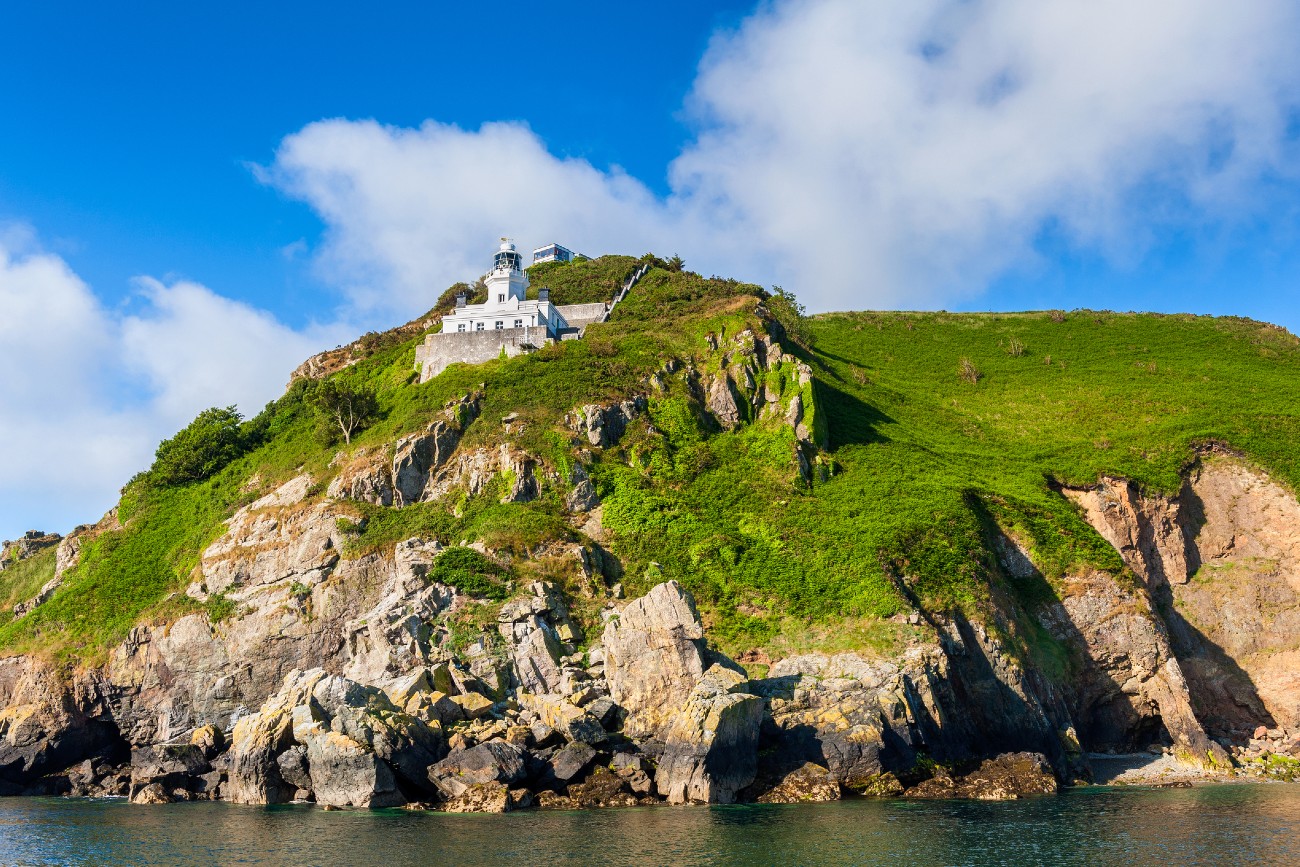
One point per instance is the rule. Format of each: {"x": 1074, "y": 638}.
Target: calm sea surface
{"x": 1242, "y": 824}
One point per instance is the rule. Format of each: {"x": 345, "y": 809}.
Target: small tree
{"x": 344, "y": 406}
{"x": 207, "y": 444}
{"x": 787, "y": 310}
{"x": 675, "y": 264}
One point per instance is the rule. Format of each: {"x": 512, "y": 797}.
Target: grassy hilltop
{"x": 940, "y": 427}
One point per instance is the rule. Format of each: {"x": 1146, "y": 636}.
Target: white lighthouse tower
{"x": 507, "y": 282}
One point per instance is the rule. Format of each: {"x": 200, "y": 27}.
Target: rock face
{"x": 1133, "y": 684}
{"x": 357, "y": 745}
{"x": 334, "y": 679}
{"x": 1220, "y": 562}
{"x": 654, "y": 657}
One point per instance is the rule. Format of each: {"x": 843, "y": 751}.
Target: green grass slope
{"x": 941, "y": 427}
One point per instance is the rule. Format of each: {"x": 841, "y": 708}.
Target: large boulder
{"x": 711, "y": 748}
{"x": 1004, "y": 778}
{"x": 344, "y": 773}
{"x": 490, "y": 762}
{"x": 654, "y": 656}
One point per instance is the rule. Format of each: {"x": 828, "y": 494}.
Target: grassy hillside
{"x": 941, "y": 427}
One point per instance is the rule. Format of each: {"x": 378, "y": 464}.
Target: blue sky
{"x": 194, "y": 197}
{"x": 125, "y": 137}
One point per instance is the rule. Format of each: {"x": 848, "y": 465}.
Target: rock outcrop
{"x": 32, "y": 542}
{"x": 335, "y": 679}
{"x": 357, "y": 746}
{"x": 1220, "y": 563}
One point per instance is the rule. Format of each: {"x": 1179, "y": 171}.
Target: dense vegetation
{"x": 944, "y": 430}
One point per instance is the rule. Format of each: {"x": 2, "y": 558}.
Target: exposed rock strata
{"x": 331, "y": 682}
{"x": 1220, "y": 562}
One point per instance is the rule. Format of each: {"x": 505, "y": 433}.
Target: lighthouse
{"x": 507, "y": 282}
{"x": 507, "y": 323}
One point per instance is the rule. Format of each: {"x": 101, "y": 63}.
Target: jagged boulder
{"x": 654, "y": 656}
{"x": 582, "y": 493}
{"x": 603, "y": 788}
{"x": 32, "y": 542}
{"x": 561, "y": 715}
{"x": 807, "y": 783}
{"x": 538, "y": 632}
{"x": 839, "y": 712}
{"x": 491, "y": 762}
{"x": 604, "y": 426}
{"x": 721, "y": 401}
{"x": 170, "y": 766}
{"x": 711, "y": 747}
{"x": 392, "y": 637}
{"x": 344, "y": 773}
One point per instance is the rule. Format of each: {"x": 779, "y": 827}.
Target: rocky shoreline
{"x": 654, "y": 716}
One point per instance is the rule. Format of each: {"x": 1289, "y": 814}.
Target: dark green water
{"x": 1246, "y": 824}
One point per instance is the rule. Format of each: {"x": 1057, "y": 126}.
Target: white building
{"x": 507, "y": 323}
{"x": 552, "y": 253}
{"x": 507, "y": 304}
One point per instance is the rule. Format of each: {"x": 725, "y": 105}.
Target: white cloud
{"x": 861, "y": 153}
{"x": 86, "y": 393}
{"x": 411, "y": 211}
{"x": 196, "y": 349}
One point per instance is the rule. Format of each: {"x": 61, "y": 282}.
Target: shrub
{"x": 1016, "y": 347}
{"x": 470, "y": 572}
{"x": 207, "y": 444}
{"x": 968, "y": 372}
{"x": 787, "y": 310}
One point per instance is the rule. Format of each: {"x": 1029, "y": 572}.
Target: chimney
{"x": 460, "y": 300}
{"x": 544, "y": 294}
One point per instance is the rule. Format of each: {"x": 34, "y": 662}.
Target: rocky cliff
{"x": 345, "y": 638}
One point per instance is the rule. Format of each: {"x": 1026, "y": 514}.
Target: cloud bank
{"x": 862, "y": 153}
{"x": 86, "y": 392}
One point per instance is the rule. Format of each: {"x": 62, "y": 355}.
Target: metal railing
{"x": 622, "y": 293}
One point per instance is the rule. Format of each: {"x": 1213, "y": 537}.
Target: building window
{"x": 478, "y": 326}
{"x": 500, "y": 325}
{"x": 501, "y": 299}
{"x": 519, "y": 323}
{"x": 460, "y": 326}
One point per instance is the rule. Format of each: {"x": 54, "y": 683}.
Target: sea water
{"x": 1221, "y": 824}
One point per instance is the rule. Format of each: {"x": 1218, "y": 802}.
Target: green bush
{"x": 470, "y": 572}
{"x": 202, "y": 448}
